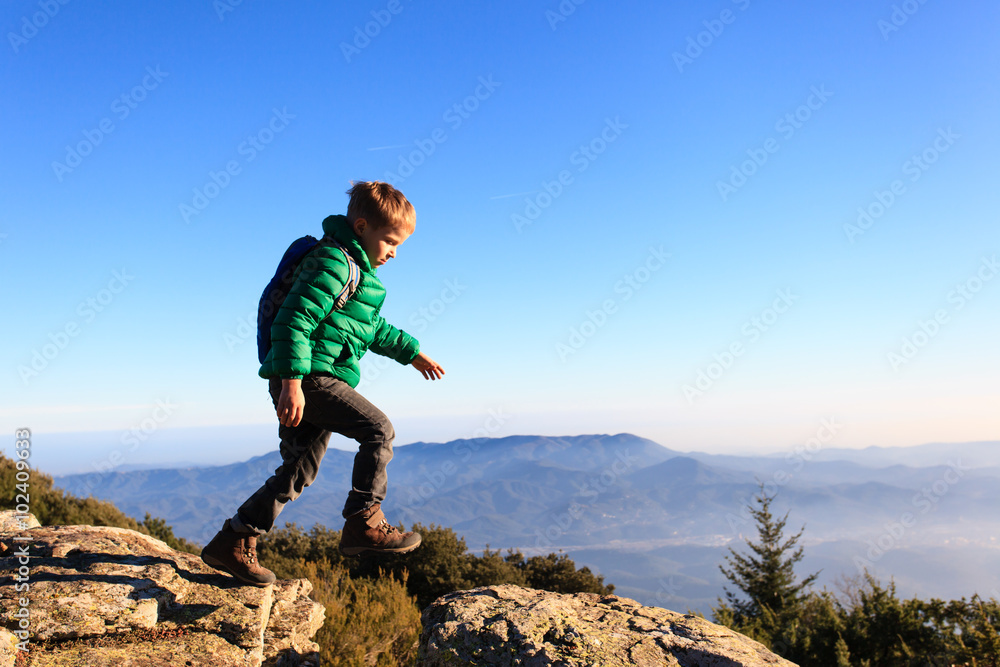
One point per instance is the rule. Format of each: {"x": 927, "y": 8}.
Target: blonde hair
{"x": 380, "y": 204}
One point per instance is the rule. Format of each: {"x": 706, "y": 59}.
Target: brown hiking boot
{"x": 369, "y": 531}
{"x": 236, "y": 553}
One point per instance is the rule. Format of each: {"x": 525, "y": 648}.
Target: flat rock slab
{"x": 510, "y": 625}
{"x": 112, "y": 596}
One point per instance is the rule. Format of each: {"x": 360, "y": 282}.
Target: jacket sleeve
{"x": 394, "y": 343}
{"x": 321, "y": 277}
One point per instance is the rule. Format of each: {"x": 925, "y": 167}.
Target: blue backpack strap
{"x": 276, "y": 291}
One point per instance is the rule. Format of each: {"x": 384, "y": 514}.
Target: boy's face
{"x": 379, "y": 243}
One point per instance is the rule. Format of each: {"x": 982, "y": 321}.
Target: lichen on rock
{"x": 100, "y": 595}
{"x": 510, "y": 625}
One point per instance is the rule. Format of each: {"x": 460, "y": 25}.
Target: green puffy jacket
{"x": 307, "y": 337}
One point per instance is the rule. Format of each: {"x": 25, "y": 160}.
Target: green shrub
{"x": 368, "y": 621}
{"x": 55, "y": 507}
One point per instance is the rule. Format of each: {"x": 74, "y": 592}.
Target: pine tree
{"x": 982, "y": 638}
{"x": 767, "y": 578}
{"x": 841, "y": 654}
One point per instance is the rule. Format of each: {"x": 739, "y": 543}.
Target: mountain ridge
{"x": 583, "y": 493}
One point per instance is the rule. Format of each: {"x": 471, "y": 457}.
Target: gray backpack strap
{"x": 353, "y": 274}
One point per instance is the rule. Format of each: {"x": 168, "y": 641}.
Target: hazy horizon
{"x": 67, "y": 453}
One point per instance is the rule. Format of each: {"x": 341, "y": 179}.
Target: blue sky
{"x": 629, "y": 217}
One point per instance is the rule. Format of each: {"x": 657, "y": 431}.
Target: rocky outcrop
{"x": 509, "y": 625}
{"x": 112, "y": 596}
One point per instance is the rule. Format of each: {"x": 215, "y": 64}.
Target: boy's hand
{"x": 291, "y": 403}
{"x": 430, "y": 369}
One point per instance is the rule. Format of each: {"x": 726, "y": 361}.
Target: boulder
{"x": 111, "y": 596}
{"x": 510, "y": 625}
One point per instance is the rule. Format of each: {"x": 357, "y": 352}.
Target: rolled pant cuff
{"x": 239, "y": 526}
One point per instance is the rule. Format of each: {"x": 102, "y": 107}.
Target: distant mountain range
{"x": 656, "y": 522}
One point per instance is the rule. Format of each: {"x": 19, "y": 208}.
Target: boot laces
{"x": 249, "y": 552}
{"x": 387, "y": 527}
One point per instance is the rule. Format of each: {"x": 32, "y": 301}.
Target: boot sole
{"x": 218, "y": 565}
{"x": 354, "y": 551}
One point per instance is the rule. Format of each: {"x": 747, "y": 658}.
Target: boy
{"x": 312, "y": 369}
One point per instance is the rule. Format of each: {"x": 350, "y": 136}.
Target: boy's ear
{"x": 359, "y": 226}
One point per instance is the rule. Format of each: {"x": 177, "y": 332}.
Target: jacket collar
{"x": 338, "y": 227}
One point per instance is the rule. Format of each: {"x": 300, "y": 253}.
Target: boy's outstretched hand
{"x": 430, "y": 369}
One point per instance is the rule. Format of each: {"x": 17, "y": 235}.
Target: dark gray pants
{"x": 332, "y": 406}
